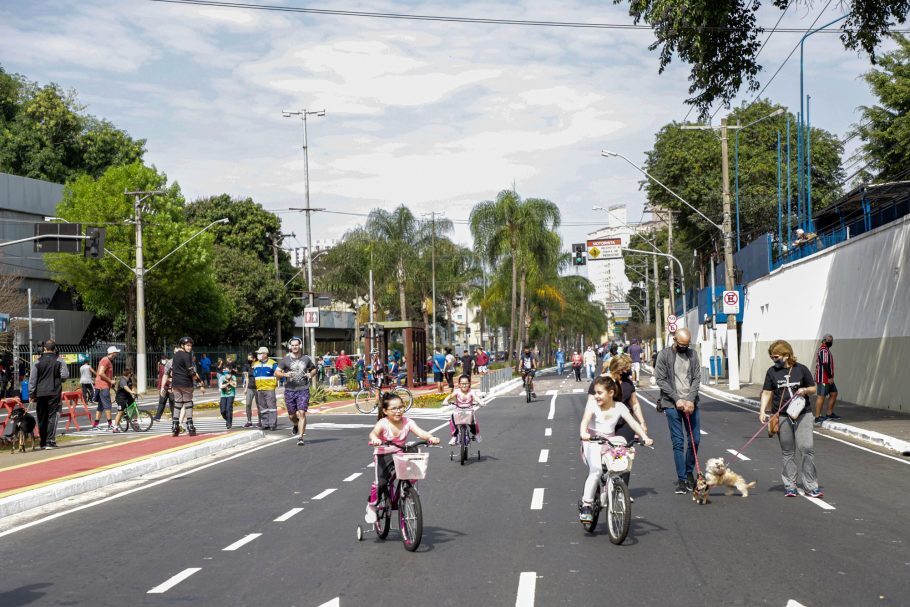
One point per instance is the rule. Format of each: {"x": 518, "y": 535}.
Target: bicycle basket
{"x": 411, "y": 466}
{"x": 463, "y": 416}
{"x": 617, "y": 459}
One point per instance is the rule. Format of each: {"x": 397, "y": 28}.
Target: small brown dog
{"x": 717, "y": 474}
{"x": 24, "y": 424}
{"x": 701, "y": 490}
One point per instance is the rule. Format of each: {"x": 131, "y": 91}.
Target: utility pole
{"x": 139, "y": 271}
{"x": 658, "y": 323}
{"x": 433, "y": 272}
{"x": 647, "y": 297}
{"x": 730, "y": 280}
{"x": 670, "y": 251}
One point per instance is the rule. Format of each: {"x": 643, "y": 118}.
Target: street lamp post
{"x": 727, "y": 231}
{"x": 309, "y": 236}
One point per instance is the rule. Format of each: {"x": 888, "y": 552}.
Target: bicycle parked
{"x": 367, "y": 399}
{"x": 612, "y": 493}
{"x": 400, "y": 493}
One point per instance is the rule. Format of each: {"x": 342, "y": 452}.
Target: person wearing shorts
{"x": 184, "y": 378}
{"x": 298, "y": 370}
{"x": 104, "y": 379}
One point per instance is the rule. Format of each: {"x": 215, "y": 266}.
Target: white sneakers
{"x": 453, "y": 441}
{"x": 370, "y": 516}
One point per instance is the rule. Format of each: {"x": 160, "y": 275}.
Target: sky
{"x": 437, "y": 116}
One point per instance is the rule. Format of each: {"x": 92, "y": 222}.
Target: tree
{"x": 689, "y": 163}
{"x": 45, "y": 134}
{"x": 181, "y": 293}
{"x": 246, "y": 267}
{"x": 719, "y": 39}
{"x": 885, "y": 127}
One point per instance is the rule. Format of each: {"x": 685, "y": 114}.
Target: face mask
{"x": 829, "y": 343}
{"x": 625, "y": 375}
{"x": 779, "y": 364}
{"x": 682, "y": 349}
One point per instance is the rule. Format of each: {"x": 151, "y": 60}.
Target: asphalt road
{"x": 483, "y": 543}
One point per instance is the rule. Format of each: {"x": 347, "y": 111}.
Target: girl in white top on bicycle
{"x": 465, "y": 398}
{"x": 392, "y": 426}
{"x": 599, "y": 419}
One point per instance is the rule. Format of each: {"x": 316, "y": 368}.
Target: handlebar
{"x": 407, "y": 446}
{"x": 604, "y": 440}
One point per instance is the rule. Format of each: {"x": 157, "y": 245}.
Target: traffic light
{"x": 578, "y": 254}
{"x": 94, "y": 244}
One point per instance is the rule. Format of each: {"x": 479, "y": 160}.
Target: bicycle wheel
{"x": 383, "y": 517}
{"x": 410, "y": 517}
{"x": 142, "y": 422}
{"x": 620, "y": 515}
{"x": 528, "y": 390}
{"x": 462, "y": 444}
{"x": 124, "y": 423}
{"x": 365, "y": 401}
{"x": 406, "y": 397}
{"x": 595, "y": 513}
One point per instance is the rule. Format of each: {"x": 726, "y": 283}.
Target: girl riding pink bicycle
{"x": 465, "y": 399}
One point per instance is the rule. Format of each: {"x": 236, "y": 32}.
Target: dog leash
{"x": 694, "y": 450}
{"x": 762, "y": 427}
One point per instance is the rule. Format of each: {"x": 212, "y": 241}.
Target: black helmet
{"x": 185, "y": 340}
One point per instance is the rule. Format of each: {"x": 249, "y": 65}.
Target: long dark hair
{"x": 610, "y": 385}
{"x": 384, "y": 401}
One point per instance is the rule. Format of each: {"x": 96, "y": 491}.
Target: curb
{"x": 868, "y": 436}
{"x": 34, "y": 498}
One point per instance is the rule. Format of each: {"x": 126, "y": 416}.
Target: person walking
{"x": 86, "y": 382}
{"x": 449, "y": 369}
{"x": 482, "y": 359}
{"x": 184, "y": 378}
{"x": 165, "y": 394}
{"x": 205, "y": 367}
{"x": 577, "y": 362}
{"x": 342, "y": 364}
{"x": 590, "y": 358}
{"x": 104, "y": 379}
{"x": 788, "y": 385}
{"x": 824, "y": 380}
{"x": 298, "y": 370}
{"x": 439, "y": 365}
{"x": 560, "y": 360}
{"x": 468, "y": 364}
{"x": 678, "y": 375}
{"x": 227, "y": 388}
{"x": 45, "y": 384}
{"x": 635, "y": 353}
{"x": 249, "y": 392}
{"x": 266, "y": 383}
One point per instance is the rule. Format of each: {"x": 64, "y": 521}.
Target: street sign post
{"x": 310, "y": 317}
{"x": 672, "y": 318}
{"x": 731, "y": 302}
{"x": 671, "y": 327}
{"x": 604, "y": 248}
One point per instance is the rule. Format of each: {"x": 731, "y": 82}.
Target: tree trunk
{"x": 450, "y": 329}
{"x": 355, "y": 347}
{"x": 401, "y": 290}
{"x": 512, "y": 341}
{"x": 522, "y": 316}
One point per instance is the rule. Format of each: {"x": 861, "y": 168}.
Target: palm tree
{"x": 510, "y": 230}
{"x": 398, "y": 236}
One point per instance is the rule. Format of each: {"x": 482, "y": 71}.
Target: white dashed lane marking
{"x": 738, "y": 454}
{"x": 548, "y": 432}
{"x": 544, "y": 456}
{"x": 527, "y": 583}
{"x": 552, "y": 408}
{"x": 241, "y": 542}
{"x": 537, "y": 499}
{"x": 162, "y": 588}
{"x": 325, "y": 493}
{"x": 288, "y": 515}
{"x": 352, "y": 477}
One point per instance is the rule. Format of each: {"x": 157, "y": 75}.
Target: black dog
{"x": 24, "y": 428}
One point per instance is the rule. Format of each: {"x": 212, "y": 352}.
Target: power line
{"x": 451, "y": 19}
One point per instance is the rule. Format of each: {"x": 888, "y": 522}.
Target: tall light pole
{"x": 727, "y": 232}
{"x": 276, "y": 242}
{"x": 309, "y": 235}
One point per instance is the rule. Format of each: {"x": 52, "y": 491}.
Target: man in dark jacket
{"x": 679, "y": 377}
{"x": 45, "y": 383}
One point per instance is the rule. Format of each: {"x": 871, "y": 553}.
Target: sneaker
{"x": 631, "y": 500}
{"x": 117, "y": 430}
{"x": 586, "y": 514}
{"x": 300, "y": 442}
{"x": 294, "y": 431}
{"x": 817, "y": 494}
{"x": 820, "y": 419}
{"x": 453, "y": 441}
{"x": 51, "y": 446}
{"x": 833, "y": 416}
{"x": 477, "y": 438}
{"x": 681, "y": 487}
{"x": 96, "y": 429}
{"x": 156, "y": 419}
{"x": 370, "y": 516}
{"x": 248, "y": 425}
{"x": 790, "y": 493}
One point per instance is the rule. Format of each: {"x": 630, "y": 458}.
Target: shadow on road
{"x": 437, "y": 535}
{"x": 24, "y": 595}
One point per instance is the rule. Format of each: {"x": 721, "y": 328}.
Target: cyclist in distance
{"x": 600, "y": 419}
{"x": 392, "y": 426}
{"x": 527, "y": 367}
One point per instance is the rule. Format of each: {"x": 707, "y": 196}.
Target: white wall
{"x": 858, "y": 291}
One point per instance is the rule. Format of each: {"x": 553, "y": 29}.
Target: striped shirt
{"x": 824, "y": 365}
{"x": 264, "y": 374}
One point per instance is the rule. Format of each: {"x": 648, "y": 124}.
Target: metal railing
{"x": 495, "y": 378}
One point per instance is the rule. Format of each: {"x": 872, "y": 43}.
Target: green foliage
{"x": 719, "y": 39}
{"x": 244, "y": 262}
{"x": 181, "y": 294}
{"x": 885, "y": 127}
{"x": 318, "y": 394}
{"x": 689, "y": 163}
{"x": 45, "y": 134}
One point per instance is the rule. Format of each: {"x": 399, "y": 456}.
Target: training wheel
{"x": 478, "y": 455}
{"x": 451, "y": 456}
{"x": 359, "y": 533}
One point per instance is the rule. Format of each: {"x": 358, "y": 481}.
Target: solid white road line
{"x": 537, "y": 499}
{"x": 792, "y": 603}
{"x": 527, "y": 583}
{"x": 548, "y": 432}
{"x": 818, "y": 502}
{"x": 544, "y": 456}
{"x": 738, "y": 454}
{"x": 640, "y": 397}
{"x": 161, "y": 588}
{"x": 135, "y": 489}
{"x": 551, "y": 392}
{"x": 552, "y": 407}
{"x": 352, "y": 477}
{"x": 288, "y": 515}
{"x": 241, "y": 542}
{"x": 325, "y": 493}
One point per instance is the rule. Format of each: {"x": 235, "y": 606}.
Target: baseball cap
{"x": 262, "y": 350}
{"x": 112, "y": 349}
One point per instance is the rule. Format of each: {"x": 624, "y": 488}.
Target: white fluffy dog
{"x": 717, "y": 473}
